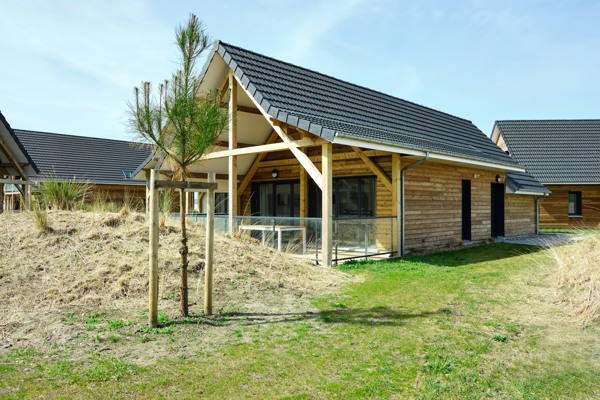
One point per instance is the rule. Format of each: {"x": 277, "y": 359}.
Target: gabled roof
{"x": 524, "y": 183}
{"x": 16, "y": 149}
{"x": 331, "y": 108}
{"x": 91, "y": 159}
{"x": 554, "y": 151}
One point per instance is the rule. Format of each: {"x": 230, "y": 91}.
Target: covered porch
{"x": 278, "y": 183}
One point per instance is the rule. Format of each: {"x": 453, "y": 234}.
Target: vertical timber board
{"x": 303, "y": 191}
{"x": 396, "y": 194}
{"x": 210, "y": 235}
{"x": 153, "y": 253}
{"x": 327, "y": 204}
{"x": 233, "y": 136}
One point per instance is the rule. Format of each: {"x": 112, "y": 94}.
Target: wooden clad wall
{"x": 554, "y": 210}
{"x": 118, "y": 193}
{"x": 519, "y": 214}
{"x": 433, "y": 197}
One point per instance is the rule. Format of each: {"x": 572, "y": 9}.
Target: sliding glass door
{"x": 276, "y": 199}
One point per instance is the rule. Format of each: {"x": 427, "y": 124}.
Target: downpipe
{"x": 537, "y": 214}
{"x": 402, "y": 174}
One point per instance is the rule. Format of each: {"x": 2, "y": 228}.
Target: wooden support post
{"x": 210, "y": 234}
{"x": 327, "y": 204}
{"x": 27, "y": 190}
{"x": 1, "y": 198}
{"x": 396, "y": 204}
{"x": 200, "y": 197}
{"x": 303, "y": 191}
{"x": 233, "y": 136}
{"x": 153, "y": 257}
{"x": 190, "y": 202}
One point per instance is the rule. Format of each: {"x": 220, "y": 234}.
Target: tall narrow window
{"x": 221, "y": 203}
{"x": 575, "y": 204}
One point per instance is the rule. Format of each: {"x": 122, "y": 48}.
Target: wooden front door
{"x": 497, "y": 208}
{"x": 466, "y": 209}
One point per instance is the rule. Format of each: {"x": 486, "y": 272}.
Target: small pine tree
{"x": 180, "y": 122}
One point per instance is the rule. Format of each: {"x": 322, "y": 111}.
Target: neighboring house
{"x": 15, "y": 164}
{"x": 305, "y": 145}
{"x": 105, "y": 164}
{"x": 564, "y": 155}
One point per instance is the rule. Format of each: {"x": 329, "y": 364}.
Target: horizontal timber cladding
{"x": 117, "y": 195}
{"x": 554, "y": 209}
{"x": 433, "y": 197}
{"x": 134, "y": 195}
{"x": 519, "y": 214}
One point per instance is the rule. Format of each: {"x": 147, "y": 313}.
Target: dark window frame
{"x": 578, "y": 204}
{"x": 314, "y": 196}
{"x": 255, "y": 206}
{"x": 221, "y": 203}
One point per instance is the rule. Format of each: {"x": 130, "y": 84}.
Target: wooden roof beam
{"x": 254, "y": 167}
{"x": 265, "y": 148}
{"x": 314, "y": 173}
{"x": 12, "y": 160}
{"x": 374, "y": 167}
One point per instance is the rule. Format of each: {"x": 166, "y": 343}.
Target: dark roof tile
{"x": 328, "y": 106}
{"x": 94, "y": 159}
{"x": 524, "y": 182}
{"x": 555, "y": 151}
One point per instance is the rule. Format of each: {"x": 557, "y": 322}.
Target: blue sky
{"x": 70, "y": 66}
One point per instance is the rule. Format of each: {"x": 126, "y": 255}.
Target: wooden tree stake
{"x": 208, "y": 267}
{"x": 153, "y": 253}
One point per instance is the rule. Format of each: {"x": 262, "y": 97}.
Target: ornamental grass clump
{"x": 60, "y": 194}
{"x": 578, "y": 277}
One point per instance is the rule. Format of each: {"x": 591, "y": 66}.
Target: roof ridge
{"x": 550, "y": 120}
{"x": 77, "y": 136}
{"x": 339, "y": 80}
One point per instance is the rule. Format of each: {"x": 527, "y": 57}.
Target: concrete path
{"x": 548, "y": 239}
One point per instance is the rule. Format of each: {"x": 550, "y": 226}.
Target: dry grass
{"x": 98, "y": 261}
{"x": 578, "y": 277}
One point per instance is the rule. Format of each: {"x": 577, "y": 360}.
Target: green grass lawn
{"x": 572, "y": 231}
{"x": 469, "y": 324}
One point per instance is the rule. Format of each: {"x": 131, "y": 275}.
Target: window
{"x": 575, "y": 204}
{"x": 352, "y": 198}
{"x": 195, "y": 205}
{"x": 127, "y": 174}
{"x": 276, "y": 199}
{"x": 221, "y": 203}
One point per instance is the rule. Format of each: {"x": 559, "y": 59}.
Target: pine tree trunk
{"x": 183, "y": 251}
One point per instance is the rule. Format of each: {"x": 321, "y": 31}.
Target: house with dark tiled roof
{"x": 105, "y": 164}
{"x": 15, "y": 162}
{"x": 564, "y": 155}
{"x": 352, "y": 167}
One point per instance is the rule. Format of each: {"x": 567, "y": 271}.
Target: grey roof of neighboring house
{"x": 555, "y": 151}
{"x": 326, "y": 106}
{"x": 13, "y": 137}
{"x": 91, "y": 159}
{"x": 522, "y": 182}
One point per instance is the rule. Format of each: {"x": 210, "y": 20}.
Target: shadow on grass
{"x": 376, "y": 316}
{"x": 452, "y": 258}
